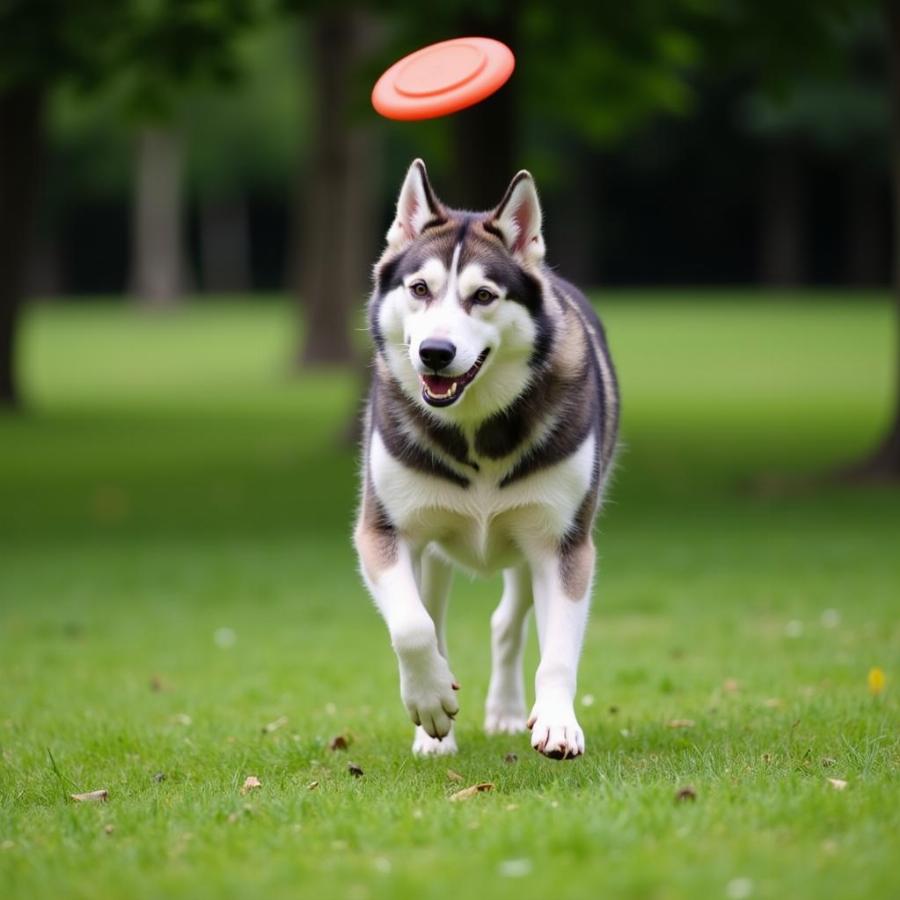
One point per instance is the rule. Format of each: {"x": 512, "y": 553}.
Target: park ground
{"x": 176, "y": 575}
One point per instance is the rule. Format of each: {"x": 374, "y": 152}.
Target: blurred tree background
{"x": 166, "y": 149}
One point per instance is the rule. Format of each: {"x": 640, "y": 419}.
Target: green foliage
{"x": 601, "y": 70}
{"x": 153, "y": 45}
{"x": 175, "y": 42}
{"x": 171, "y": 482}
{"x": 814, "y": 71}
{"x": 841, "y": 104}
{"x": 90, "y": 141}
{"x": 777, "y": 40}
{"x": 250, "y": 135}
{"x": 241, "y": 116}
{"x": 42, "y": 41}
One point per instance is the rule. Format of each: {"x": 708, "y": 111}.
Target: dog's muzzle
{"x": 442, "y": 390}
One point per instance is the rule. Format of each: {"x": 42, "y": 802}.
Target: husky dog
{"x": 490, "y": 430}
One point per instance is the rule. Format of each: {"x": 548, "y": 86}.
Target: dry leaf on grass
{"x": 355, "y": 770}
{"x": 468, "y": 792}
{"x": 510, "y": 758}
{"x": 339, "y": 742}
{"x": 685, "y": 793}
{"x": 680, "y": 723}
{"x": 100, "y": 796}
{"x": 837, "y": 783}
{"x": 312, "y": 785}
{"x": 731, "y": 686}
{"x": 454, "y": 776}
{"x": 280, "y": 722}
{"x": 251, "y": 783}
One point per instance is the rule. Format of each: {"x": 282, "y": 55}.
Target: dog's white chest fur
{"x": 482, "y": 527}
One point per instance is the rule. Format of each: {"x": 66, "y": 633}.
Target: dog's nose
{"x": 436, "y": 354}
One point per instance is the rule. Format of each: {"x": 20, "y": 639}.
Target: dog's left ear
{"x": 518, "y": 218}
{"x": 416, "y": 207}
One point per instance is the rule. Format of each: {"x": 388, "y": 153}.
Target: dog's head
{"x": 458, "y": 312}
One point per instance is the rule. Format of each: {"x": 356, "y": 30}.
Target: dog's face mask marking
{"x": 458, "y": 310}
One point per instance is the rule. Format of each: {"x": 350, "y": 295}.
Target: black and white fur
{"x": 489, "y": 452}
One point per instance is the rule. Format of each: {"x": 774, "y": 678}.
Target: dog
{"x": 489, "y": 434}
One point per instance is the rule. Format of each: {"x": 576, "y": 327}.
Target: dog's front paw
{"x": 555, "y": 731}
{"x": 428, "y": 690}
{"x": 425, "y": 745}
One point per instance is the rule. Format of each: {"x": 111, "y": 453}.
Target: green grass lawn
{"x": 176, "y": 572}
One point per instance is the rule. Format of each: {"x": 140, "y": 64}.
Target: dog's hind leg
{"x": 505, "y": 709}
{"x": 434, "y": 576}
{"x": 562, "y": 591}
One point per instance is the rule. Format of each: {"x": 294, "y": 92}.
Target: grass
{"x": 176, "y": 572}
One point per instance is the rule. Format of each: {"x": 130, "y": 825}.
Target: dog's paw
{"x": 555, "y": 732}
{"x": 502, "y": 720}
{"x": 425, "y": 745}
{"x": 428, "y": 690}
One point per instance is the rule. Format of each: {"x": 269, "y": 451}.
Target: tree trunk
{"x": 572, "y": 234}
{"x": 44, "y": 268}
{"x": 889, "y": 454}
{"x": 864, "y": 234}
{"x": 783, "y": 248}
{"x": 20, "y": 150}
{"x": 158, "y": 260}
{"x": 225, "y": 245}
{"x": 884, "y": 464}
{"x": 336, "y": 240}
{"x": 485, "y": 136}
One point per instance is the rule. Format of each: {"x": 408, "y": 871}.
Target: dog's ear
{"x": 518, "y": 219}
{"x": 416, "y": 207}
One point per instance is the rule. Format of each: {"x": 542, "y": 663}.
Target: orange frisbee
{"x": 443, "y": 78}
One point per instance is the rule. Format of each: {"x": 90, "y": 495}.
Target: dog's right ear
{"x": 416, "y": 207}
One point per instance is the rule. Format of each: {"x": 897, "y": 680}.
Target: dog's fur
{"x": 503, "y": 469}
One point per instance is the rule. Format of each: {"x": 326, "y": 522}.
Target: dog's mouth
{"x": 442, "y": 390}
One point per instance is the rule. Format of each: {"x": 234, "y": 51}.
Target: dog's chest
{"x": 481, "y": 526}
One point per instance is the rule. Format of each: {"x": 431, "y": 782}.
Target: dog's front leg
{"x": 562, "y": 588}
{"x": 427, "y": 686}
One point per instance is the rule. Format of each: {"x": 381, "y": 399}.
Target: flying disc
{"x": 443, "y": 78}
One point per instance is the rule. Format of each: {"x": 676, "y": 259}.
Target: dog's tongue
{"x": 438, "y": 384}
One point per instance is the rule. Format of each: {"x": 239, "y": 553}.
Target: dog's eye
{"x": 419, "y": 289}
{"x": 484, "y": 296}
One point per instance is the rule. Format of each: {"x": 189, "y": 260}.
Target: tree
{"x": 159, "y": 270}
{"x": 788, "y": 46}
{"x": 335, "y": 207}
{"x": 41, "y": 43}
{"x": 174, "y": 43}
{"x": 248, "y": 140}
{"x": 153, "y": 45}
{"x": 884, "y": 463}
{"x": 621, "y": 66}
{"x": 840, "y": 106}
